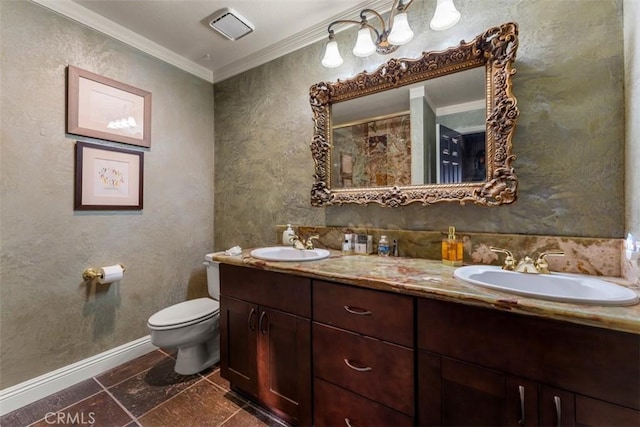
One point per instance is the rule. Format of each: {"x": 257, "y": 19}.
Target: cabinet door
{"x": 471, "y": 395}
{"x": 284, "y": 364}
{"x": 453, "y": 393}
{"x": 429, "y": 389}
{"x": 238, "y": 344}
{"x": 557, "y": 407}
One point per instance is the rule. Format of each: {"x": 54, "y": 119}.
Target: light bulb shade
{"x": 332, "y": 58}
{"x": 364, "y": 44}
{"x": 400, "y": 32}
{"x": 446, "y": 16}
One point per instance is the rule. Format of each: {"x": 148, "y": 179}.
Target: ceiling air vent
{"x": 230, "y": 24}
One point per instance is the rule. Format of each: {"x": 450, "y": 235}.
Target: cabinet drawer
{"x": 592, "y": 412}
{"x": 378, "y": 314}
{"x": 375, "y": 369}
{"x": 595, "y": 362}
{"x": 335, "y": 406}
{"x": 276, "y": 290}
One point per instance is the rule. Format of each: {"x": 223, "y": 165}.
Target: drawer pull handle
{"x": 356, "y": 368}
{"x": 556, "y": 401}
{"x": 521, "y": 392}
{"x": 252, "y": 315}
{"x": 358, "y": 311}
{"x": 261, "y": 323}
{"x": 347, "y": 421}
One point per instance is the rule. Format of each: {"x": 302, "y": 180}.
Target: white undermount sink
{"x": 288, "y": 253}
{"x": 563, "y": 287}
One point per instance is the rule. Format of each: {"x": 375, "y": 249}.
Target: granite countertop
{"x": 432, "y": 279}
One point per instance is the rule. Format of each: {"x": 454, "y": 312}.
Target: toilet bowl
{"x": 193, "y": 327}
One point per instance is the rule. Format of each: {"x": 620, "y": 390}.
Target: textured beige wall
{"x": 49, "y": 319}
{"x": 569, "y": 139}
{"x": 632, "y": 113}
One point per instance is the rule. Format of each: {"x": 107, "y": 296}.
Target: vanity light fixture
{"x": 446, "y": 16}
{"x": 394, "y": 33}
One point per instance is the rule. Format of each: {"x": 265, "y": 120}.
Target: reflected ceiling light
{"x": 446, "y": 16}
{"x": 395, "y": 32}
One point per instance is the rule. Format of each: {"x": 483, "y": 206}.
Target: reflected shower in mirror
{"x": 425, "y": 133}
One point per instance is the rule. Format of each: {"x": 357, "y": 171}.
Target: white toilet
{"x": 193, "y": 327}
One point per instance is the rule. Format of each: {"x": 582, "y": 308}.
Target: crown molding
{"x": 304, "y": 38}
{"x": 103, "y": 25}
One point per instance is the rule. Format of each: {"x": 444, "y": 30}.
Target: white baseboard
{"x": 34, "y": 389}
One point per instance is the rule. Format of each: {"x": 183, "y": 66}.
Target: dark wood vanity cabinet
{"x": 363, "y": 357}
{"x": 328, "y": 354}
{"x": 265, "y": 339}
{"x": 479, "y": 366}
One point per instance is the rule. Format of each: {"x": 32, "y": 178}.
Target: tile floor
{"x": 145, "y": 392}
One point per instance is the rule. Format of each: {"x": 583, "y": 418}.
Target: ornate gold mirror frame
{"x": 495, "y": 49}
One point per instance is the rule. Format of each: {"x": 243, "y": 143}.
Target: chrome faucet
{"x": 304, "y": 244}
{"x": 527, "y": 264}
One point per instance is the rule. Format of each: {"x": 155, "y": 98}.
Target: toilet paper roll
{"x": 110, "y": 274}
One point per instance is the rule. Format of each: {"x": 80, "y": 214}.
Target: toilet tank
{"x": 213, "y": 276}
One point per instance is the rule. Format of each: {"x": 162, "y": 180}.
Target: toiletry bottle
{"x": 346, "y": 245}
{"x": 452, "y": 249}
{"x": 394, "y": 248}
{"x": 361, "y": 244}
{"x": 383, "y": 246}
{"x": 287, "y": 235}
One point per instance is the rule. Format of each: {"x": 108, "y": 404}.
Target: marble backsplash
{"x": 594, "y": 256}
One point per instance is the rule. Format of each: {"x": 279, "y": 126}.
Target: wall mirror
{"x": 427, "y": 130}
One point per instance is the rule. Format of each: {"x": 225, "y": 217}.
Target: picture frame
{"x": 103, "y": 108}
{"x": 107, "y": 178}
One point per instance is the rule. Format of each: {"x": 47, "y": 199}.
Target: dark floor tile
{"x": 204, "y": 404}
{"x": 99, "y": 409}
{"x": 250, "y": 416}
{"x": 131, "y": 368}
{"x": 145, "y": 391}
{"x": 217, "y": 379}
{"x": 37, "y": 410}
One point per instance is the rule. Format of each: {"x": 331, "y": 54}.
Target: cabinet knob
{"x": 347, "y": 421}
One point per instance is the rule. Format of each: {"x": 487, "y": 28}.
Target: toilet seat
{"x": 184, "y": 314}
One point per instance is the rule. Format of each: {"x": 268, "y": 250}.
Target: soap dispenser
{"x": 452, "y": 249}
{"x": 287, "y": 235}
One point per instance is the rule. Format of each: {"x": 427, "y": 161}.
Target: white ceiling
{"x": 177, "y": 31}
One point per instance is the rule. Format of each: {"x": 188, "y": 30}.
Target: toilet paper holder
{"x": 94, "y": 273}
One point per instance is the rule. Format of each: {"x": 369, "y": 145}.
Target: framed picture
{"x": 102, "y": 108}
{"x": 107, "y": 178}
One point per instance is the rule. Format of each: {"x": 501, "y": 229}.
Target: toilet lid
{"x": 185, "y": 312}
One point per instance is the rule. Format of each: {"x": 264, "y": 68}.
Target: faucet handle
{"x": 509, "y": 261}
{"x": 541, "y": 263}
{"x": 296, "y": 242}
{"x": 309, "y": 244}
